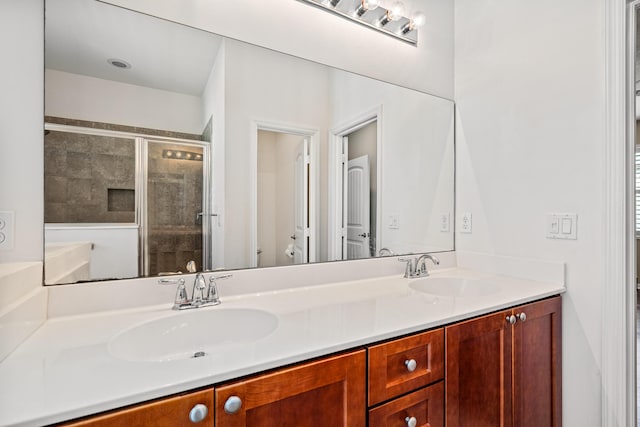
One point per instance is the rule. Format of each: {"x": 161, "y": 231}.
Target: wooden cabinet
{"x": 504, "y": 369}
{"x": 326, "y": 392}
{"x": 407, "y": 365}
{"x": 425, "y": 406}
{"x": 170, "y": 412}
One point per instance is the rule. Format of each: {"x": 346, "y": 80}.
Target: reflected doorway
{"x": 283, "y": 199}
{"x": 284, "y": 188}
{"x": 354, "y": 182}
{"x": 360, "y": 215}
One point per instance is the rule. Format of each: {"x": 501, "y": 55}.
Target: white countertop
{"x": 65, "y": 370}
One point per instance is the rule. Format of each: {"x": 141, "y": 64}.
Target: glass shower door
{"x": 174, "y": 199}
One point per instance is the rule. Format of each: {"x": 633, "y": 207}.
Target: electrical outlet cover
{"x": 465, "y": 226}
{"x": 6, "y": 239}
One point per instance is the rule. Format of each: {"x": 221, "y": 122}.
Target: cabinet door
{"x": 326, "y": 392}
{"x": 478, "y": 392}
{"x": 537, "y": 364}
{"x": 171, "y": 412}
{"x": 425, "y": 405}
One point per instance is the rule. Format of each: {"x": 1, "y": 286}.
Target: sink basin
{"x": 192, "y": 334}
{"x": 454, "y": 286}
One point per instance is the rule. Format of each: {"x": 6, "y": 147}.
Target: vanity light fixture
{"x": 370, "y": 13}
{"x": 181, "y": 155}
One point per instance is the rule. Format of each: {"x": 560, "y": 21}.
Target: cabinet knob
{"x": 198, "y": 413}
{"x": 511, "y": 319}
{"x": 522, "y": 316}
{"x": 411, "y": 365}
{"x": 232, "y": 405}
{"x": 411, "y": 421}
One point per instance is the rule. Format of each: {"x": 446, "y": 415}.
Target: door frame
{"x": 336, "y": 178}
{"x": 618, "y": 370}
{"x": 314, "y": 182}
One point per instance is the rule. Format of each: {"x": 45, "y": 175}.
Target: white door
{"x": 358, "y": 208}
{"x": 301, "y": 217}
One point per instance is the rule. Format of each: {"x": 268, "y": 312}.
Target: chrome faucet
{"x": 417, "y": 267}
{"x": 201, "y": 295}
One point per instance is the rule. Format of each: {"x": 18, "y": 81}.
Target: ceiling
{"x": 81, "y": 35}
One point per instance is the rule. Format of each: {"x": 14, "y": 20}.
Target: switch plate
{"x": 445, "y": 223}
{"x": 465, "y": 226}
{"x": 394, "y": 221}
{"x": 6, "y": 230}
{"x": 562, "y": 226}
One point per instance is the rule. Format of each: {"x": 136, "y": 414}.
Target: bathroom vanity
{"x": 378, "y": 351}
{"x": 501, "y": 369}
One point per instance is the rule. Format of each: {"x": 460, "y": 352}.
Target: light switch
{"x": 394, "y": 221}
{"x": 562, "y": 226}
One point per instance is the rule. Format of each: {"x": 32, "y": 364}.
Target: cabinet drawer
{"x": 391, "y": 363}
{"x": 171, "y": 412}
{"x": 425, "y": 405}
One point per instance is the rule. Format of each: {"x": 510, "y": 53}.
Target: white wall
{"x": 89, "y": 98}
{"x": 21, "y": 125}
{"x": 305, "y": 31}
{"x": 417, "y": 177}
{"x": 213, "y": 107}
{"x": 267, "y": 86}
{"x": 267, "y": 172}
{"x": 529, "y": 90}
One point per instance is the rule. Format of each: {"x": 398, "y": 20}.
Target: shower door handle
{"x": 199, "y": 216}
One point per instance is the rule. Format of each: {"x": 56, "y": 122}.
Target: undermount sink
{"x": 454, "y": 286}
{"x": 193, "y": 334}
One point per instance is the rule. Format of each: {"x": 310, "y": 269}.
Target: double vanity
{"x": 378, "y": 350}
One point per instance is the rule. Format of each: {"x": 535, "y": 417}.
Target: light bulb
{"x": 418, "y": 19}
{"x": 366, "y": 5}
{"x": 396, "y": 10}
{"x": 372, "y": 4}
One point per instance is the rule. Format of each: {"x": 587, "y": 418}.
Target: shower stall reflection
{"x": 122, "y": 204}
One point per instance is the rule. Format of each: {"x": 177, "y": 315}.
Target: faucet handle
{"x": 181, "y": 298}
{"x": 408, "y": 270}
{"x": 212, "y": 291}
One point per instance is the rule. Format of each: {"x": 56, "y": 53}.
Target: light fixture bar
{"x": 377, "y": 18}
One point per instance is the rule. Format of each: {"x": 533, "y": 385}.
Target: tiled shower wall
{"x": 91, "y": 179}
{"x": 81, "y": 171}
{"x": 175, "y": 199}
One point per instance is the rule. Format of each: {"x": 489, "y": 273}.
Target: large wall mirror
{"x": 166, "y": 144}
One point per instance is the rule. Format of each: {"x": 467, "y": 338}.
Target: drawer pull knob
{"x": 522, "y": 316}
{"x": 411, "y": 421}
{"x": 511, "y": 319}
{"x": 198, "y": 413}
{"x": 411, "y": 365}
{"x": 232, "y": 405}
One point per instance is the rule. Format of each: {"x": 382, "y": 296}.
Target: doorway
{"x": 354, "y": 199}
{"x": 284, "y": 194}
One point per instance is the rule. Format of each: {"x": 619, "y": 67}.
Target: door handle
{"x": 365, "y": 235}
